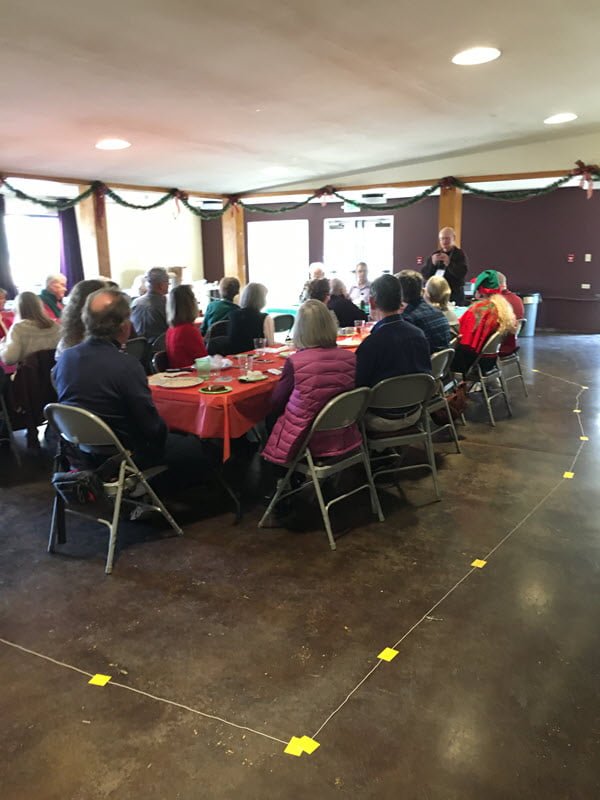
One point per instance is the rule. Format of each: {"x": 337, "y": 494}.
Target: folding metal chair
{"x": 440, "y": 363}
{"x": 513, "y": 360}
{"x": 339, "y": 413}
{"x": 88, "y": 432}
{"x": 138, "y": 348}
{"x": 160, "y": 361}
{"x": 283, "y": 323}
{"x": 476, "y": 375}
{"x": 403, "y": 393}
{"x": 5, "y": 418}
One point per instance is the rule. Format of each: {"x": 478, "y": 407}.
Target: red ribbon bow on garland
{"x": 587, "y": 172}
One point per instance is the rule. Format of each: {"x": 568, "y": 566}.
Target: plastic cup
{"x": 202, "y": 367}
{"x": 359, "y": 325}
{"x": 259, "y": 346}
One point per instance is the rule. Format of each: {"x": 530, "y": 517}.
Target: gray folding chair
{"x": 440, "y": 363}
{"x": 283, "y": 323}
{"x": 403, "y": 393}
{"x": 339, "y": 413}
{"x": 476, "y": 375}
{"x": 513, "y": 360}
{"x": 160, "y": 361}
{"x": 89, "y": 433}
{"x": 138, "y": 348}
{"x": 5, "y": 418}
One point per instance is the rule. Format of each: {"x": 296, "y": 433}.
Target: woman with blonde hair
{"x": 437, "y": 294}
{"x": 183, "y": 341}
{"x": 32, "y": 331}
{"x": 312, "y": 376}
{"x": 490, "y": 314}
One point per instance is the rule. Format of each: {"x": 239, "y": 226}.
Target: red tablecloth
{"x": 226, "y": 416}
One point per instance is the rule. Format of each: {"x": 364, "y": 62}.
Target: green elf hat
{"x": 488, "y": 279}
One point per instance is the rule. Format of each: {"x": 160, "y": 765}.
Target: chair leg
{"x": 522, "y": 378}
{"x": 486, "y": 397}
{"x": 505, "y": 393}
{"x": 11, "y": 436}
{"x": 451, "y": 421}
{"x": 114, "y": 525}
{"x": 225, "y": 484}
{"x": 375, "y": 503}
{"x": 431, "y": 458}
{"x": 57, "y": 523}
{"x": 281, "y": 485}
{"x": 320, "y": 498}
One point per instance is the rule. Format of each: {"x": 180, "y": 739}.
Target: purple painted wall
{"x": 528, "y": 241}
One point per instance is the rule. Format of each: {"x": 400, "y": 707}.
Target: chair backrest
{"x": 283, "y": 322}
{"x": 81, "y": 427}
{"x": 220, "y": 328}
{"x": 492, "y": 345}
{"x": 342, "y": 411}
{"x": 138, "y": 348}
{"x": 160, "y": 342}
{"x": 440, "y": 362}
{"x": 160, "y": 361}
{"x": 403, "y": 391}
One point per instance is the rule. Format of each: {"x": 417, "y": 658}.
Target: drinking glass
{"x": 215, "y": 368}
{"x": 202, "y": 367}
{"x": 259, "y": 347}
{"x": 359, "y": 325}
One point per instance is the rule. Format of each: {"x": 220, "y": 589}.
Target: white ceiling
{"x": 234, "y": 95}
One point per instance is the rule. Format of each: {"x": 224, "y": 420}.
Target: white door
{"x": 346, "y": 241}
{"x": 278, "y": 258}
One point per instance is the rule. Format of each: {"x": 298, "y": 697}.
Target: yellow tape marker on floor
{"x": 309, "y": 745}
{"x": 568, "y": 474}
{"x": 577, "y": 411}
{"x": 584, "y": 438}
{"x": 387, "y": 654}
{"x": 294, "y": 747}
{"x": 479, "y": 563}
{"x": 535, "y": 370}
{"x": 100, "y": 680}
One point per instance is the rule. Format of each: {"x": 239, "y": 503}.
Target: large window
{"x": 33, "y": 244}
{"x": 346, "y": 241}
{"x": 278, "y": 258}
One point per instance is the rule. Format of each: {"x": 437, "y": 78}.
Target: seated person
{"x": 319, "y": 289}
{"x": 184, "y": 341}
{"x": 71, "y": 324}
{"x": 394, "y": 347}
{"x": 218, "y": 310}
{"x": 31, "y": 332}
{"x": 6, "y": 317}
{"x": 509, "y": 343}
{"x": 416, "y": 311}
{"x": 437, "y": 294}
{"x": 316, "y": 272}
{"x": 341, "y": 305}
{"x": 491, "y": 313}
{"x": 52, "y": 296}
{"x": 97, "y": 376}
{"x": 246, "y": 324}
{"x": 361, "y": 291}
{"x": 312, "y": 376}
{"x": 148, "y": 312}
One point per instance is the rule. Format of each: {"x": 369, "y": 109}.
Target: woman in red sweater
{"x": 184, "y": 341}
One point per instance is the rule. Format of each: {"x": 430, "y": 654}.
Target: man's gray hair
{"x": 106, "y": 321}
{"x": 156, "y": 277}
{"x": 501, "y": 279}
{"x": 58, "y": 276}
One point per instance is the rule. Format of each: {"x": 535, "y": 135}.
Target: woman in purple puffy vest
{"x": 318, "y": 371}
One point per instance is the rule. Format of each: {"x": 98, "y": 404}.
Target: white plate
{"x": 253, "y": 378}
{"x": 177, "y": 380}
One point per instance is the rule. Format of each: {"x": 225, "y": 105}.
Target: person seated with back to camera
{"x": 437, "y": 294}
{"x": 490, "y": 314}
{"x": 218, "y": 310}
{"x": 416, "y": 311}
{"x": 394, "y": 347}
{"x": 97, "y": 376}
{"x": 31, "y": 332}
{"x": 184, "y": 341}
{"x": 311, "y": 377}
{"x": 509, "y": 343}
{"x": 148, "y": 312}
{"x": 73, "y": 331}
{"x": 346, "y": 312}
{"x": 246, "y": 324}
{"x": 316, "y": 272}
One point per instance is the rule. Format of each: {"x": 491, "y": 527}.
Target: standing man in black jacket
{"x": 450, "y": 262}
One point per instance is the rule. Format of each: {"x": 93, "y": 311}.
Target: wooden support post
{"x": 450, "y": 210}
{"x": 234, "y": 244}
{"x": 93, "y": 235}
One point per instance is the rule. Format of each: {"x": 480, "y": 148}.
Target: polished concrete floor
{"x": 494, "y": 692}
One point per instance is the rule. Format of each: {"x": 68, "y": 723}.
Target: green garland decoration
{"x": 588, "y": 173}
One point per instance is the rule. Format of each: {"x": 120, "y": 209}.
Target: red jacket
{"x": 184, "y": 345}
{"x": 477, "y": 324}
{"x": 318, "y": 375}
{"x": 510, "y": 345}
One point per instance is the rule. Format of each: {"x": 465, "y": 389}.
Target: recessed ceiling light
{"x": 476, "y": 55}
{"x": 112, "y": 144}
{"x": 557, "y": 119}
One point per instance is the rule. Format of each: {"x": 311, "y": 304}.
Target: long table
{"x": 221, "y": 416}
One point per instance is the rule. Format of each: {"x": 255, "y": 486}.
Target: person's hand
{"x": 442, "y": 259}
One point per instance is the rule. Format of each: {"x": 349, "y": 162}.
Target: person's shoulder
{"x": 407, "y": 330}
